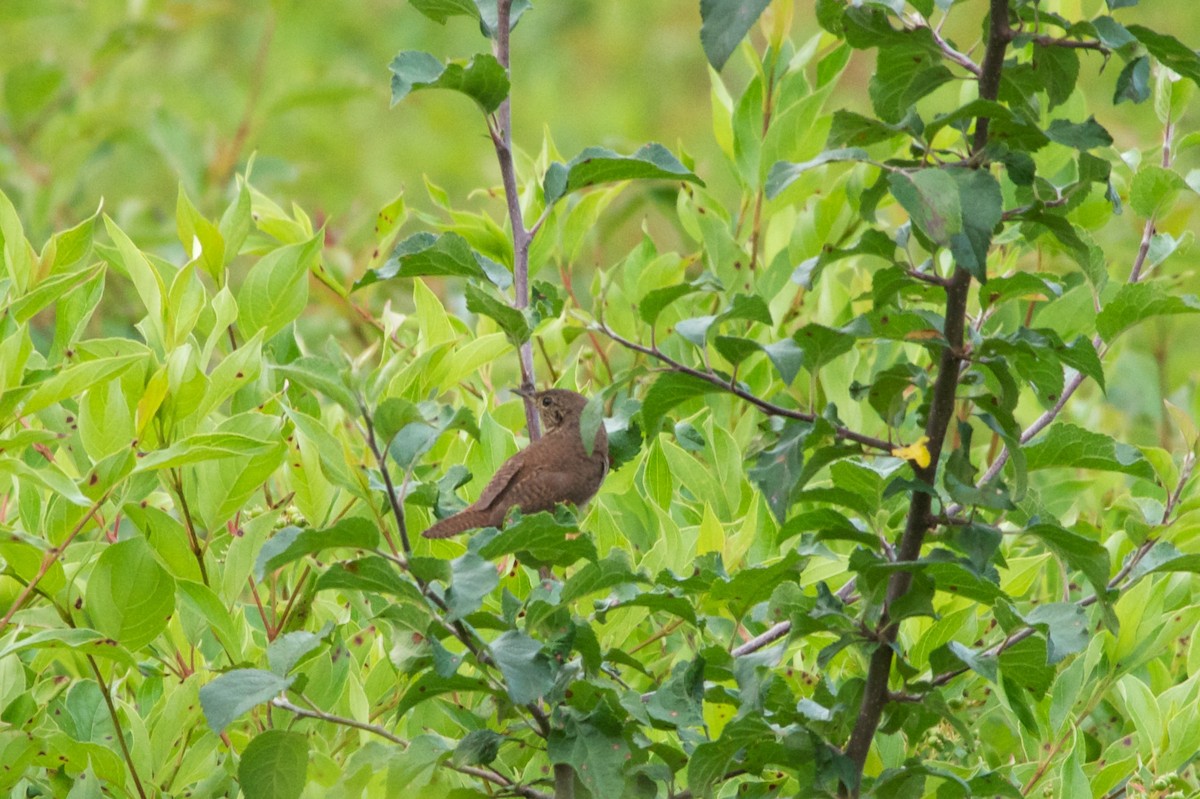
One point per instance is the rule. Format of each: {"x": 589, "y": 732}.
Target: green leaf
{"x": 86, "y": 717}
{"x": 777, "y": 470}
{"x": 194, "y": 230}
{"x": 1081, "y": 356}
{"x": 600, "y": 165}
{"x": 984, "y": 665}
{"x": 446, "y": 255}
{"x": 292, "y": 543}
{"x": 1111, "y": 33}
{"x": 1067, "y": 628}
{"x": 471, "y": 579}
{"x": 1080, "y": 135}
{"x": 489, "y": 18}
{"x": 274, "y": 765}
{"x": 653, "y": 303}
{"x": 590, "y": 422}
{"x": 237, "y": 221}
{"x": 1067, "y": 446}
{"x": 784, "y": 173}
{"x": 751, "y": 585}
{"x": 599, "y": 575}
{"x": 47, "y": 476}
{"x": 511, "y": 321}
{"x": 209, "y": 605}
{"x": 74, "y": 380}
{"x": 275, "y": 290}
{"x": 595, "y": 749}
{"x": 49, "y": 291}
{"x": 712, "y": 759}
{"x": 1170, "y": 51}
{"x": 321, "y": 376}
{"x": 1154, "y": 190}
{"x": 477, "y": 748}
{"x": 129, "y": 596}
{"x": 366, "y": 574}
{"x": 904, "y": 73}
{"x": 287, "y": 650}
{"x": 528, "y": 675}
{"x": 1133, "y": 83}
{"x": 234, "y": 692}
{"x": 1137, "y": 302}
{"x": 679, "y": 701}
{"x": 79, "y": 639}
{"x": 849, "y": 128}
{"x": 670, "y": 390}
{"x": 821, "y": 345}
{"x": 483, "y": 78}
{"x": 541, "y": 540}
{"x": 1079, "y": 553}
{"x": 982, "y": 209}
{"x": 931, "y": 198}
{"x": 1059, "y": 68}
{"x": 441, "y": 10}
{"x": 201, "y": 447}
{"x": 724, "y": 23}
{"x": 429, "y": 685}
{"x": 145, "y": 278}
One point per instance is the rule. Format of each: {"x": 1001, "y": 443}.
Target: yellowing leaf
{"x": 916, "y": 452}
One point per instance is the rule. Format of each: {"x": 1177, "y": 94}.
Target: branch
{"x": 1116, "y": 583}
{"x": 952, "y": 54}
{"x": 501, "y": 134}
{"x": 759, "y": 641}
{"x": 763, "y": 405}
{"x": 1077, "y": 44}
{"x": 999, "y": 35}
{"x": 1135, "y": 276}
{"x": 485, "y": 774}
{"x": 393, "y": 497}
{"x": 941, "y": 412}
{"x": 118, "y": 730}
{"x": 316, "y": 713}
{"x": 49, "y": 558}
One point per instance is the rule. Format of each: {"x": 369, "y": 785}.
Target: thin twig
{"x": 49, "y": 558}
{"x": 769, "y": 408}
{"x": 1135, "y": 276}
{"x": 393, "y": 497}
{"x": 1077, "y": 44}
{"x": 118, "y": 731}
{"x": 763, "y": 639}
{"x": 501, "y": 135}
{"x": 952, "y": 54}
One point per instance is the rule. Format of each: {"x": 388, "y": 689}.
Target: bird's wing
{"x": 500, "y": 481}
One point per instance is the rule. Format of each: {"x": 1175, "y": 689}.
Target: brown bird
{"x": 553, "y": 469}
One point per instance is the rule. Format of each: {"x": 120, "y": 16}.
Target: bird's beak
{"x": 528, "y": 393}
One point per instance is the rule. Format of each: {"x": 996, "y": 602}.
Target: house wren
{"x": 553, "y": 469}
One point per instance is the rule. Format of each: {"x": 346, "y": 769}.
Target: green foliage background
{"x": 230, "y": 402}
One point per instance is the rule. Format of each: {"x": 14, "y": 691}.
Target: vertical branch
{"x": 501, "y": 133}
{"x": 941, "y": 412}
{"x": 119, "y": 732}
{"x": 394, "y": 499}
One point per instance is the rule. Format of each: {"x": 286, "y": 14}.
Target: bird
{"x": 555, "y": 468}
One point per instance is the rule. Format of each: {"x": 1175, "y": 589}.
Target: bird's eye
{"x": 545, "y": 402}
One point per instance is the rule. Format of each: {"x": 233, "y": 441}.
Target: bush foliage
{"x": 873, "y": 525}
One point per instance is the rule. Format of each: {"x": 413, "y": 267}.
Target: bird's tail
{"x": 459, "y": 522}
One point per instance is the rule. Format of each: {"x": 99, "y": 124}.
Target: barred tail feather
{"x": 458, "y": 523}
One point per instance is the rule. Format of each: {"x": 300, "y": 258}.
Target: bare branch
{"x": 1077, "y": 44}
{"x": 941, "y": 412}
{"x": 769, "y": 408}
